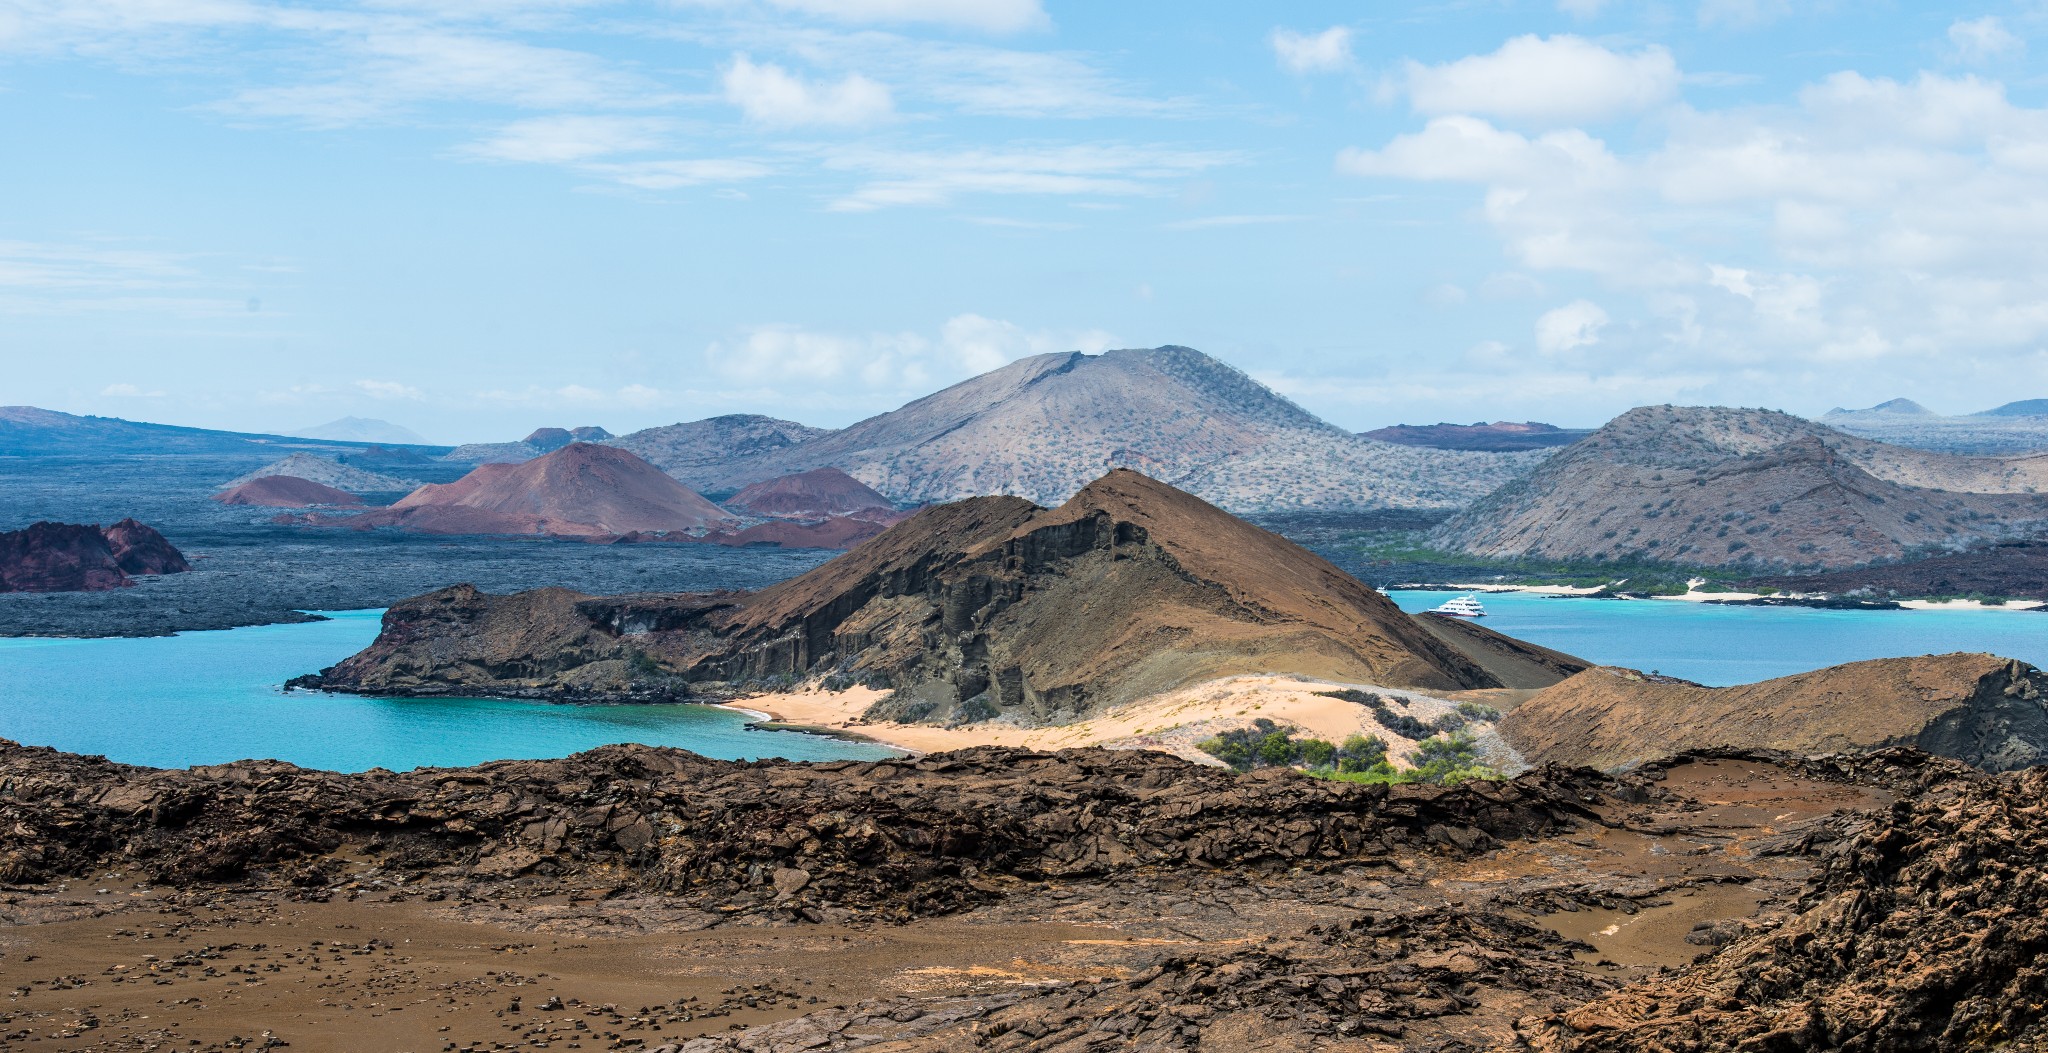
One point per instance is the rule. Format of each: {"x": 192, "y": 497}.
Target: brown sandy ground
{"x": 1173, "y": 722}
{"x": 1428, "y": 945}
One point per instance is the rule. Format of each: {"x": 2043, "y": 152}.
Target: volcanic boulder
{"x": 1976, "y": 708}
{"x": 983, "y": 607}
{"x": 285, "y": 491}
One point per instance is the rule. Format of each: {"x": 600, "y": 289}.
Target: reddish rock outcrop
{"x": 69, "y": 557}
{"x": 580, "y": 490}
{"x": 815, "y": 494}
{"x": 139, "y": 549}
{"x": 285, "y": 491}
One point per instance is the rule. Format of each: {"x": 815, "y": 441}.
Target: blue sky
{"x": 473, "y": 217}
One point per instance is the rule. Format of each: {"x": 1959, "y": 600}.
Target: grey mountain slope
{"x": 1714, "y": 486}
{"x": 699, "y": 454}
{"x": 1042, "y": 427}
{"x": 326, "y": 473}
{"x": 2014, "y": 428}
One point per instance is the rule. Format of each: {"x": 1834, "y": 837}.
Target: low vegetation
{"x": 1443, "y": 760}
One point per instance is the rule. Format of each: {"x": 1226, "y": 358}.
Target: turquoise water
{"x": 209, "y": 697}
{"x": 1735, "y": 645}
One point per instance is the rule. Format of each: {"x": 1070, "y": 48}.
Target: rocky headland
{"x": 982, "y": 609}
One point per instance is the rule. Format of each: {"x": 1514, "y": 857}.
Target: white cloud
{"x": 390, "y": 389}
{"x": 1982, "y": 40}
{"x": 771, "y": 95}
{"x": 1575, "y": 325}
{"x": 902, "y": 178}
{"x": 1863, "y": 219}
{"x": 786, "y": 357}
{"x": 678, "y": 173}
{"x": 1313, "y": 52}
{"x": 129, "y": 391}
{"x": 1546, "y": 80}
{"x": 566, "y": 138}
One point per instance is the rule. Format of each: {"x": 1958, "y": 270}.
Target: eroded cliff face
{"x": 979, "y": 608}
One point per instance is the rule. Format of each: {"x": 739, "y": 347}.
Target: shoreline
{"x": 1817, "y": 600}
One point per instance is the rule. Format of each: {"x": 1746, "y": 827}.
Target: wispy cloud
{"x": 768, "y": 94}
{"x": 900, "y": 178}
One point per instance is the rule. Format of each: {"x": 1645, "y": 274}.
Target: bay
{"x": 1722, "y": 644}
{"x": 217, "y": 696}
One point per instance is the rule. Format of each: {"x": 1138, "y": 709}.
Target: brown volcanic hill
{"x": 1976, "y": 708}
{"x": 701, "y": 453}
{"x": 68, "y": 557}
{"x": 285, "y": 491}
{"x": 1501, "y": 435}
{"x": 814, "y": 494}
{"x": 980, "y": 608}
{"x": 1042, "y": 427}
{"x": 1712, "y": 487}
{"x": 139, "y": 549}
{"x": 579, "y": 490}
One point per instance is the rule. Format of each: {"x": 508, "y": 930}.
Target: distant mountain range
{"x": 2016, "y": 427}
{"x": 1042, "y": 427}
{"x": 29, "y": 430}
{"x": 1715, "y": 486}
{"x": 364, "y": 429}
{"x": 1501, "y": 435}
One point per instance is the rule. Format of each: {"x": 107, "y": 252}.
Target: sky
{"x": 476, "y": 217}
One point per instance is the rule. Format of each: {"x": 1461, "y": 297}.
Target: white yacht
{"x": 1465, "y": 606}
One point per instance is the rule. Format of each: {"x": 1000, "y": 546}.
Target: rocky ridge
{"x": 1042, "y": 427}
{"x": 879, "y": 839}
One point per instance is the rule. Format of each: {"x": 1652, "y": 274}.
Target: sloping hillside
{"x": 579, "y": 490}
{"x": 320, "y": 470}
{"x": 979, "y": 609}
{"x": 1983, "y": 710}
{"x": 1042, "y": 427}
{"x": 1715, "y": 487}
{"x": 814, "y": 494}
{"x": 702, "y": 454}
